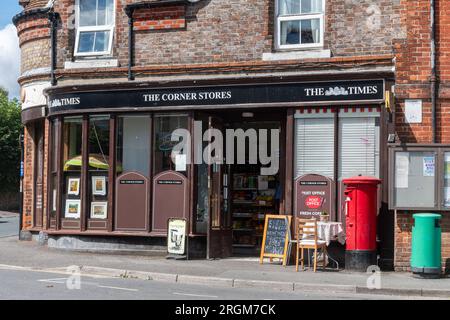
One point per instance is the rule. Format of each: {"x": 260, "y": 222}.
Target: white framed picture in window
{"x": 99, "y": 186}
{"x": 99, "y": 210}
{"x": 73, "y": 209}
{"x": 73, "y": 186}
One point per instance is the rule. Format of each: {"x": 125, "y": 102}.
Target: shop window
{"x": 300, "y": 23}
{"x": 164, "y": 126}
{"x": 72, "y": 164}
{"x": 95, "y": 27}
{"x": 133, "y": 145}
{"x": 315, "y": 146}
{"x": 98, "y": 166}
{"x": 359, "y": 147}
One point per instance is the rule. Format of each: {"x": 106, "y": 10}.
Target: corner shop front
{"x": 111, "y": 171}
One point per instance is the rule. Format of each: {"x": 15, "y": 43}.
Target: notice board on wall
{"x": 276, "y": 237}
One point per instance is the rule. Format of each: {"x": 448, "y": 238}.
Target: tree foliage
{"x": 10, "y": 129}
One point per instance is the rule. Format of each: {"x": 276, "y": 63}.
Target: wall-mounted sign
{"x": 314, "y": 195}
{"x": 176, "y": 236}
{"x": 413, "y": 111}
{"x": 280, "y": 93}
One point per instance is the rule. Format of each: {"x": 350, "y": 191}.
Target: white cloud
{"x": 9, "y": 60}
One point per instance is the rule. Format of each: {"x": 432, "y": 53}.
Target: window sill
{"x": 91, "y": 63}
{"x": 297, "y": 55}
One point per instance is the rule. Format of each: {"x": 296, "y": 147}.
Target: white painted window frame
{"x": 79, "y": 30}
{"x": 298, "y": 17}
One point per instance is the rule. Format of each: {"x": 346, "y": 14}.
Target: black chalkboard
{"x": 275, "y": 237}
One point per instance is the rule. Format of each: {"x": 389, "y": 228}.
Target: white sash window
{"x": 95, "y": 27}
{"x": 300, "y": 23}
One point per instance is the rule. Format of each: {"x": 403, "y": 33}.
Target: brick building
{"x": 104, "y": 82}
{"x": 425, "y": 136}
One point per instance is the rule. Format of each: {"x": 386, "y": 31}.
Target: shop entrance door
{"x": 219, "y": 234}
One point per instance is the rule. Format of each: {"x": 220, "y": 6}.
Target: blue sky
{"x": 9, "y": 48}
{"x": 9, "y": 9}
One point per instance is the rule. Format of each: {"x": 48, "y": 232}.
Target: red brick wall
{"x": 28, "y": 177}
{"x": 403, "y": 234}
{"x": 413, "y": 75}
{"x": 46, "y": 159}
{"x": 164, "y": 18}
{"x": 34, "y": 41}
{"x": 234, "y": 30}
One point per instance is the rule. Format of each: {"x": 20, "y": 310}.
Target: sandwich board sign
{"x": 177, "y": 238}
{"x": 276, "y": 237}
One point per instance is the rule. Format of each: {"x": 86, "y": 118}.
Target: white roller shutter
{"x": 314, "y": 143}
{"x": 358, "y": 147}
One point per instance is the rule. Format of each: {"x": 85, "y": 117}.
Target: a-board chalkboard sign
{"x": 276, "y": 237}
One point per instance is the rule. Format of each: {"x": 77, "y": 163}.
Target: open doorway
{"x": 253, "y": 194}
{"x": 237, "y": 194}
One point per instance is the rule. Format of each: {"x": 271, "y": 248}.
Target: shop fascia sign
{"x": 278, "y": 93}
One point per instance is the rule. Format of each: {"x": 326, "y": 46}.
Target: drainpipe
{"x": 129, "y": 12}
{"x": 433, "y": 80}
{"x": 53, "y": 18}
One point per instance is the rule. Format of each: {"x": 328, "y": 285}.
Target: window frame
{"x": 299, "y": 17}
{"x": 79, "y": 30}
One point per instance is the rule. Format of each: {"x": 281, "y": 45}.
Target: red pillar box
{"x": 361, "y": 222}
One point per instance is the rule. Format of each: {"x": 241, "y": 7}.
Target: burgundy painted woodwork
{"x": 97, "y": 224}
{"x": 219, "y": 234}
{"x": 170, "y": 199}
{"x": 132, "y": 202}
{"x": 70, "y": 224}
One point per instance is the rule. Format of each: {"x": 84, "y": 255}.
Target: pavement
{"x": 9, "y": 224}
{"x": 233, "y": 273}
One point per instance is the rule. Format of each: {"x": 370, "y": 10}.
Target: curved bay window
{"x": 102, "y": 169}
{"x": 72, "y": 165}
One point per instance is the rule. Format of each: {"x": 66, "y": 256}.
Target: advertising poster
{"x": 428, "y": 166}
{"x": 176, "y": 238}
{"x": 447, "y": 166}
{"x": 401, "y": 169}
{"x": 447, "y": 196}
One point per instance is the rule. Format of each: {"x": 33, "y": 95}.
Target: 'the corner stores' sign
{"x": 278, "y": 93}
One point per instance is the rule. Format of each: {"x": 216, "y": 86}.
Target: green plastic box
{"x": 426, "y": 245}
